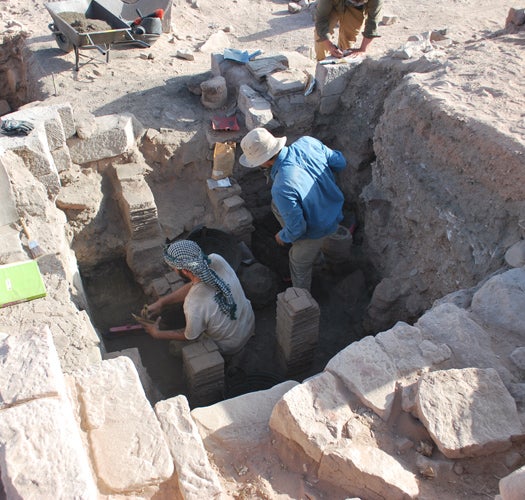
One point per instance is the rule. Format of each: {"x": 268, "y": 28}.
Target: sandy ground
{"x": 482, "y": 74}
{"x": 479, "y": 75}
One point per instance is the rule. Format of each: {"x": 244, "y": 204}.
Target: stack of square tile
{"x": 297, "y": 328}
{"x": 203, "y": 368}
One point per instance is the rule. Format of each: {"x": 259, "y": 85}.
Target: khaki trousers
{"x": 302, "y": 256}
{"x": 350, "y": 23}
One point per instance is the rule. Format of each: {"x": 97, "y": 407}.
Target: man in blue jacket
{"x": 305, "y": 197}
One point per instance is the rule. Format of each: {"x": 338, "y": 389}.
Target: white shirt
{"x": 203, "y": 315}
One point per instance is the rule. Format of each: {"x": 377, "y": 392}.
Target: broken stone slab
{"x": 500, "y": 302}
{"x": 257, "y": 110}
{"x": 467, "y": 412}
{"x": 41, "y": 452}
{"x": 126, "y": 442}
{"x": 410, "y": 351}
{"x": 240, "y": 422}
{"x": 195, "y": 476}
{"x": 286, "y": 82}
{"x": 262, "y": 67}
{"x": 367, "y": 472}
{"x": 29, "y": 367}
{"x": 369, "y": 372}
{"x": 301, "y": 414}
{"x": 471, "y": 345}
{"x": 113, "y": 136}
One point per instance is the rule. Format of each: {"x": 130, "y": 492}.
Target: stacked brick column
{"x": 297, "y": 328}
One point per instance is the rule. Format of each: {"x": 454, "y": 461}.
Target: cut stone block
{"x": 29, "y": 368}
{"x": 41, "y": 452}
{"x": 114, "y": 136}
{"x": 127, "y": 445}
{"x": 257, "y": 110}
{"x": 195, "y": 476}
{"x": 475, "y": 397}
{"x": 369, "y": 372}
{"x": 261, "y": 67}
{"x": 285, "y": 82}
{"x": 368, "y": 472}
{"x": 301, "y": 416}
{"x": 241, "y": 421}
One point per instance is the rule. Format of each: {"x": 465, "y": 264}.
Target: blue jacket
{"x": 304, "y": 189}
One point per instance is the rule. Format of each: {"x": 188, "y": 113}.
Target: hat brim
{"x": 256, "y": 162}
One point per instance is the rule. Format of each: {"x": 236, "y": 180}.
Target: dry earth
{"x": 477, "y": 77}
{"x": 155, "y": 89}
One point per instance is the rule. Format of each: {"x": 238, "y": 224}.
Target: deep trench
{"x": 342, "y": 286}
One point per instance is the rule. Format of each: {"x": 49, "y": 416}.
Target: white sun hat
{"x": 259, "y": 146}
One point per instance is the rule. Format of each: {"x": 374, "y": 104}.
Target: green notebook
{"x": 20, "y": 282}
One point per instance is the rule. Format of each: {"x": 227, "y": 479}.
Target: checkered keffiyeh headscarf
{"x": 186, "y": 254}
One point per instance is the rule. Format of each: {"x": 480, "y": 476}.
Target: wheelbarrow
{"x": 68, "y": 38}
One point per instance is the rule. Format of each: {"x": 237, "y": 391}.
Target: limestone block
{"x": 217, "y": 196}
{"x": 313, "y": 414}
{"x": 195, "y": 475}
{"x": 467, "y": 412}
{"x": 42, "y": 454}
{"x": 11, "y": 249}
{"x": 239, "y": 220}
{"x": 368, "y": 472}
{"x": 62, "y": 159}
{"x": 262, "y": 67}
{"x": 511, "y": 487}
{"x": 152, "y": 393}
{"x": 500, "y": 302}
{"x": 470, "y": 344}
{"x": 34, "y": 150}
{"x": 144, "y": 258}
{"x": 113, "y": 136}
{"x": 409, "y": 351}
{"x": 257, "y": 110}
{"x": 285, "y": 82}
{"x": 232, "y": 203}
{"x": 29, "y": 367}
{"x": 295, "y": 110}
{"x": 241, "y": 421}
{"x": 85, "y": 193}
{"x": 214, "y": 93}
{"x": 332, "y": 79}
{"x": 369, "y": 372}
{"x": 126, "y": 441}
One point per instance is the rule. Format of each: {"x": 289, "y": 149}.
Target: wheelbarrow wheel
{"x": 63, "y": 43}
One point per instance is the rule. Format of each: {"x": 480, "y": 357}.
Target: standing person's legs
{"x": 302, "y": 256}
{"x": 350, "y": 24}
{"x": 320, "y": 51}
